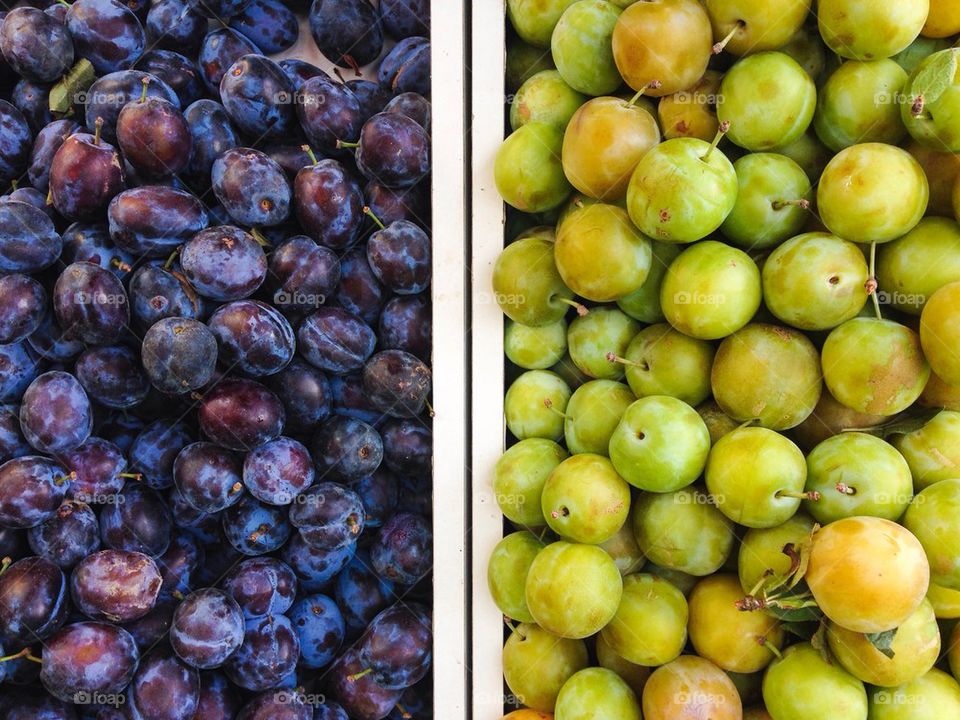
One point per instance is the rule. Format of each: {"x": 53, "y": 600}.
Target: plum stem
{"x": 718, "y": 47}
{"x": 61, "y": 479}
{"x": 548, "y": 404}
{"x": 236, "y": 487}
{"x": 344, "y": 144}
{"x": 430, "y": 409}
{"x": 310, "y": 154}
{"x": 5, "y": 563}
{"x": 916, "y": 109}
{"x": 173, "y": 256}
{"x": 813, "y": 495}
{"x": 614, "y": 358}
{"x": 514, "y": 630}
{"x": 872, "y": 284}
{"x": 652, "y": 85}
{"x": 581, "y": 309}
{"x": 404, "y": 713}
{"x": 357, "y": 676}
{"x": 49, "y": 197}
{"x": 120, "y": 264}
{"x": 370, "y": 214}
{"x": 64, "y": 3}
{"x": 143, "y": 90}
{"x": 721, "y": 131}
{"x": 13, "y": 185}
{"x": 800, "y": 203}
{"x": 98, "y": 127}
{"x": 845, "y": 489}
{"x": 260, "y": 238}
{"x": 131, "y": 476}
{"x": 25, "y": 653}
{"x": 770, "y": 646}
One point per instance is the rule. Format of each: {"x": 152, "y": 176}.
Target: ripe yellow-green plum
{"x": 663, "y": 361}
{"x": 527, "y": 170}
{"x": 581, "y": 46}
{"x": 546, "y": 98}
{"x": 756, "y": 477}
{"x": 829, "y": 418}
{"x": 857, "y": 474}
{"x": 634, "y": 675}
{"x": 594, "y": 336}
{"x": 934, "y": 517}
{"x": 600, "y": 254}
{"x": 859, "y": 103}
{"x": 650, "y": 626}
{"x": 597, "y": 692}
{"x": 534, "y": 405}
{"x": 524, "y": 61}
{"x": 809, "y": 153}
{"x": 933, "y": 451}
{"x": 519, "y": 477}
{"x": 534, "y": 20}
{"x": 911, "y": 269}
{"x": 867, "y": 574}
{"x": 603, "y": 142}
{"x": 667, "y": 41}
{"x": 874, "y": 366}
{"x": 526, "y": 284}
{"x": 768, "y": 99}
{"x": 682, "y": 531}
{"x": 743, "y": 26}
{"x": 930, "y": 106}
{"x": 934, "y": 695}
{"x": 584, "y": 499}
{"x": 772, "y": 201}
{"x": 711, "y": 290}
{"x": 807, "y": 48}
{"x": 872, "y": 31}
{"x": 536, "y": 664}
{"x": 938, "y": 394}
{"x": 573, "y": 590}
{"x": 535, "y": 348}
{"x": 527, "y": 714}
{"x": 691, "y": 688}
{"x": 915, "y": 648}
{"x": 692, "y": 112}
{"x": 802, "y": 685}
{"x": 717, "y": 421}
{"x": 644, "y": 304}
{"x": 815, "y": 281}
{"x": 872, "y": 193}
{"x": 761, "y": 550}
{"x": 660, "y": 445}
{"x": 945, "y": 602}
{"x": 943, "y": 19}
{"x": 681, "y": 190}
{"x": 593, "y": 413}
{"x": 940, "y": 332}
{"x": 507, "y": 573}
{"x": 942, "y": 170}
{"x": 623, "y": 548}
{"x": 733, "y": 640}
{"x": 768, "y": 373}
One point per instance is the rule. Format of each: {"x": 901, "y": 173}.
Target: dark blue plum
{"x": 19, "y": 366}
{"x": 305, "y": 394}
{"x": 219, "y": 700}
{"x": 397, "y": 646}
{"x": 318, "y": 623}
{"x": 300, "y": 70}
{"x": 202, "y": 526}
{"x": 403, "y": 549}
{"x": 208, "y": 477}
{"x": 154, "y": 627}
{"x": 86, "y": 658}
{"x": 154, "y": 137}
{"x": 240, "y": 414}
{"x": 179, "y": 355}
{"x": 406, "y": 323}
{"x": 47, "y": 142}
{"x": 407, "y": 446}
{"x": 180, "y": 564}
{"x": 156, "y": 294}
{"x": 302, "y": 275}
{"x": 107, "y": 33}
{"x": 85, "y": 175}
{"x": 90, "y": 303}
{"x": 212, "y": 136}
{"x": 261, "y": 586}
{"x": 328, "y": 516}
{"x": 23, "y": 309}
{"x": 270, "y": 24}
{"x": 36, "y": 707}
{"x": 222, "y": 10}
{"x": 252, "y": 187}
{"x": 55, "y": 413}
{"x": 329, "y": 112}
{"x": 361, "y": 594}
{"x": 359, "y": 291}
{"x": 138, "y": 520}
{"x": 91, "y": 242}
{"x": 315, "y": 568}
{"x": 224, "y": 263}
{"x": 258, "y": 97}
{"x": 207, "y": 628}
{"x": 397, "y": 383}
{"x": 50, "y": 342}
{"x": 291, "y": 157}
{"x": 350, "y": 400}
{"x": 98, "y": 471}
{"x": 164, "y": 688}
{"x": 15, "y": 142}
{"x": 276, "y": 706}
{"x": 153, "y": 220}
{"x": 379, "y": 493}
{"x": 346, "y": 449}
{"x": 33, "y": 100}
{"x": 153, "y": 452}
{"x": 391, "y": 204}
{"x": 330, "y": 710}
{"x": 393, "y": 150}
{"x": 335, "y": 340}
{"x": 372, "y": 96}
{"x": 347, "y": 32}
{"x": 115, "y": 585}
{"x": 254, "y": 528}
{"x": 175, "y": 25}
{"x": 254, "y": 339}
{"x": 328, "y": 204}
{"x": 269, "y": 652}
{"x": 405, "y": 18}
{"x": 406, "y": 68}
{"x": 359, "y": 694}
{"x": 414, "y": 105}
{"x": 113, "y": 376}
{"x": 68, "y": 537}
{"x": 278, "y": 471}
{"x": 33, "y": 600}
{"x": 29, "y": 242}
{"x": 12, "y": 442}
{"x": 399, "y": 255}
{"x": 110, "y": 93}
{"x": 176, "y": 70}
{"x": 221, "y": 48}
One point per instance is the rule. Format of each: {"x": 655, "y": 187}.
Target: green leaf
{"x": 63, "y": 95}
{"x": 934, "y": 77}
{"x": 802, "y": 630}
{"x": 883, "y": 641}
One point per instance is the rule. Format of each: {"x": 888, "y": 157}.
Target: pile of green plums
{"x": 731, "y": 285}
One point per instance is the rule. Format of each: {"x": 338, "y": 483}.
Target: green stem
{"x": 872, "y": 282}
{"x": 370, "y": 214}
{"x": 310, "y": 154}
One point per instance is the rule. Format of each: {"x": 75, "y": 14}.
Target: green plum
{"x": 710, "y": 291}
{"x": 872, "y": 193}
{"x": 747, "y": 26}
{"x": 596, "y": 693}
{"x": 683, "y": 531}
{"x": 859, "y": 103}
{"x": 830, "y": 418}
{"x": 934, "y": 517}
{"x": 634, "y": 675}
{"x": 593, "y": 413}
{"x": 663, "y": 361}
{"x": 767, "y": 373}
{"x": 600, "y": 254}
{"x": 874, "y": 366}
{"x": 594, "y": 336}
{"x": 507, "y": 573}
{"x": 933, "y": 451}
{"x": 644, "y": 304}
{"x": 946, "y": 606}
{"x": 524, "y": 61}
{"x": 526, "y": 284}
{"x": 912, "y": 268}
{"x": 680, "y": 580}
{"x": 815, "y": 281}
{"x": 768, "y": 99}
{"x": 660, "y": 445}
{"x": 802, "y": 685}
{"x": 940, "y": 395}
{"x": 571, "y": 374}
{"x": 582, "y": 48}
{"x": 940, "y": 332}
{"x": 536, "y": 664}
{"x": 584, "y": 499}
{"x": 527, "y": 170}
{"x": 756, "y": 477}
{"x": 535, "y": 348}
{"x": 681, "y": 191}
{"x": 870, "y": 31}
{"x": 930, "y": 107}
{"x": 623, "y": 548}
{"x": 772, "y": 201}
{"x": 915, "y": 648}
{"x": 857, "y": 474}
{"x": 918, "y": 50}
{"x": 943, "y": 20}
{"x": 534, "y": 20}
{"x": 808, "y": 50}
{"x": 761, "y": 550}
{"x": 519, "y": 477}
{"x": 573, "y": 590}
{"x": 809, "y": 153}
{"x": 717, "y": 421}
{"x": 934, "y": 695}
{"x": 546, "y": 98}
{"x": 692, "y": 112}
{"x": 534, "y": 405}
{"x": 691, "y": 688}
{"x": 650, "y": 626}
